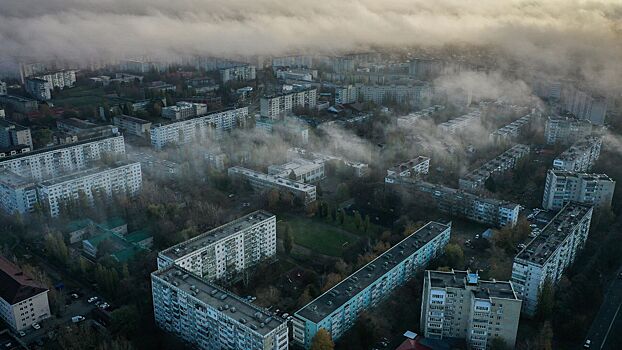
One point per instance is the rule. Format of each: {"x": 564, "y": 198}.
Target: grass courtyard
{"x": 319, "y": 236}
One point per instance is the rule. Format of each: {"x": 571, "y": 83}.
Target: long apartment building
{"x": 416, "y": 94}
{"x": 458, "y": 304}
{"x": 261, "y": 182}
{"x": 581, "y": 156}
{"x": 548, "y": 255}
{"x": 54, "y": 161}
{"x": 338, "y": 308}
{"x": 189, "y": 130}
{"x": 23, "y": 301}
{"x": 410, "y": 120}
{"x": 277, "y": 105}
{"x": 60, "y": 79}
{"x": 210, "y": 317}
{"x": 463, "y": 204}
{"x": 500, "y": 164}
{"x": 123, "y": 178}
{"x": 456, "y": 125}
{"x": 513, "y": 131}
{"x": 563, "y": 187}
{"x": 226, "y": 250}
{"x": 359, "y": 169}
{"x": 17, "y": 193}
{"x": 184, "y": 110}
{"x": 243, "y": 72}
{"x": 300, "y": 169}
{"x": 415, "y": 166}
{"x": 132, "y": 125}
{"x": 565, "y": 130}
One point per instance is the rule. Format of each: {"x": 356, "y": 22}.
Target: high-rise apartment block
{"x": 458, "y": 304}
{"x": 226, "y": 250}
{"x": 415, "y": 166}
{"x": 581, "y": 156}
{"x": 38, "y": 88}
{"x": 209, "y": 317}
{"x": 23, "y": 301}
{"x": 277, "y": 105}
{"x": 548, "y": 255}
{"x": 60, "y": 79}
{"x": 417, "y": 94}
{"x": 54, "y": 161}
{"x": 565, "y": 130}
{"x": 262, "y": 182}
{"x": 17, "y": 194}
{"x": 500, "y": 164}
{"x": 12, "y": 134}
{"x": 563, "y": 187}
{"x": 202, "y": 127}
{"x": 338, "y": 308}
{"x": 238, "y": 73}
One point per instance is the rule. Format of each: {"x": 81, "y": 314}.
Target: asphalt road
{"x": 607, "y": 326}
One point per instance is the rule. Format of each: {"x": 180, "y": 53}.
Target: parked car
{"x": 92, "y": 299}
{"x": 104, "y": 306}
{"x": 587, "y": 344}
{"x": 77, "y": 319}
{"x": 36, "y": 326}
{"x": 22, "y": 333}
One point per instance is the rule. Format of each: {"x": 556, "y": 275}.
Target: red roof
{"x": 15, "y": 286}
{"x": 412, "y": 344}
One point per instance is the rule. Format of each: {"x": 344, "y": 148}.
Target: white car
{"x": 22, "y": 333}
{"x": 77, "y": 319}
{"x": 36, "y": 326}
{"x": 92, "y": 299}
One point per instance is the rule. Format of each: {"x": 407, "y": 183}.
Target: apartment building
{"x": 583, "y": 104}
{"x": 338, "y": 308}
{"x": 458, "y": 304}
{"x": 54, "y": 161}
{"x": 415, "y": 166}
{"x": 563, "y": 187}
{"x": 291, "y": 129}
{"x": 508, "y": 160}
{"x": 298, "y": 61}
{"x": 581, "y": 156}
{"x": 276, "y": 105}
{"x": 17, "y": 194}
{"x": 238, "y": 73}
{"x": 209, "y": 317}
{"x": 198, "y": 128}
{"x": 223, "y": 252}
{"x": 299, "y": 169}
{"x": 60, "y": 79}
{"x": 463, "y": 204}
{"x": 23, "y": 301}
{"x": 565, "y": 130}
{"x": 417, "y": 94}
{"x": 548, "y": 255}
{"x": 346, "y": 94}
{"x": 358, "y": 169}
{"x": 184, "y": 110}
{"x": 19, "y": 104}
{"x": 456, "y": 125}
{"x": 156, "y": 166}
{"x": 262, "y": 182}
{"x": 38, "y": 88}
{"x": 132, "y": 125}
{"x": 12, "y": 134}
{"x": 409, "y": 121}
{"x": 121, "y": 179}
{"x": 511, "y": 132}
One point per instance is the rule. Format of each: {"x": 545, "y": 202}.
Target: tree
{"x": 358, "y": 221}
{"x": 322, "y": 341}
{"x": 454, "y": 256}
{"x": 546, "y": 300}
{"x": 331, "y": 280}
{"x": 498, "y": 344}
{"x": 125, "y": 320}
{"x": 288, "y": 240}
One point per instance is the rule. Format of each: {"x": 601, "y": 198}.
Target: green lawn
{"x": 79, "y": 96}
{"x": 319, "y": 236}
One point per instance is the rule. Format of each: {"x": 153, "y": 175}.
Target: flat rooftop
{"x": 483, "y": 290}
{"x": 584, "y": 176}
{"x": 10, "y": 179}
{"x": 58, "y": 147}
{"x": 83, "y": 173}
{"x": 340, "y": 294}
{"x": 409, "y": 164}
{"x": 132, "y": 119}
{"x": 554, "y": 233}
{"x": 258, "y": 319}
{"x": 216, "y": 234}
{"x": 580, "y": 148}
{"x": 271, "y": 178}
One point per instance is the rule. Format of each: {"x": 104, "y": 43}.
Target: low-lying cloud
{"x": 546, "y": 35}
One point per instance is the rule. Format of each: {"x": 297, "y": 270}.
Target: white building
{"x": 12, "y": 134}
{"x": 346, "y": 94}
{"x": 416, "y": 166}
{"x": 260, "y": 182}
{"x": 417, "y": 94}
{"x": 23, "y": 301}
{"x": 184, "y": 110}
{"x": 187, "y": 131}
{"x": 303, "y": 170}
{"x": 548, "y": 255}
{"x": 277, "y": 105}
{"x": 512, "y": 131}
{"x": 38, "y": 88}
{"x": 209, "y": 317}
{"x": 506, "y": 161}
{"x": 565, "y": 130}
{"x": 458, "y": 304}
{"x": 17, "y": 194}
{"x": 563, "y": 187}
{"x": 296, "y": 75}
{"x": 238, "y": 73}
{"x": 54, "y": 161}
{"x": 61, "y": 79}
{"x": 359, "y": 169}
{"x": 293, "y": 61}
{"x": 132, "y": 125}
{"x": 227, "y": 250}
{"x": 409, "y": 121}
{"x": 581, "y": 156}
{"x": 458, "y": 124}
{"x": 122, "y": 179}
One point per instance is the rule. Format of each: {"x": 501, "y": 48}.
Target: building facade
{"x": 194, "y": 129}
{"x": 184, "y": 110}
{"x": 417, "y": 94}
{"x": 132, "y": 125}
{"x": 23, "y": 301}
{"x": 563, "y": 187}
{"x": 458, "y": 304}
{"x": 566, "y": 130}
{"x": 238, "y": 73}
{"x": 453, "y": 126}
{"x": 513, "y": 131}
{"x": 275, "y": 106}
{"x": 38, "y": 88}
{"x": 415, "y": 166}
{"x": 548, "y": 255}
{"x": 306, "y": 193}
{"x": 338, "y": 308}
{"x": 17, "y": 194}
{"x": 302, "y": 170}
{"x": 12, "y": 134}
{"x": 506, "y": 161}
{"x": 226, "y": 250}
{"x": 581, "y": 156}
